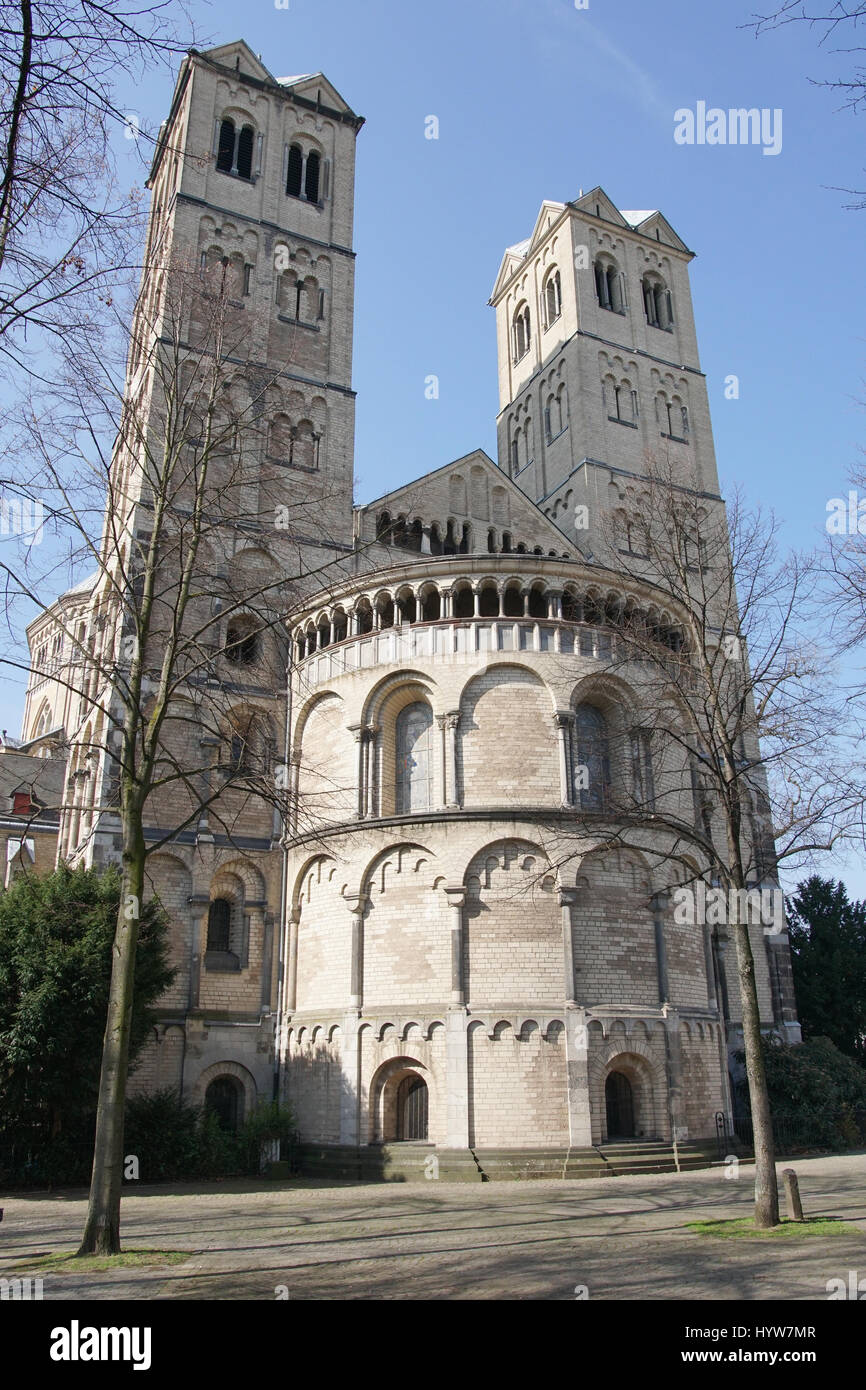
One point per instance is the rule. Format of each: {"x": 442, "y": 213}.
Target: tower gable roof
{"x": 430, "y": 499}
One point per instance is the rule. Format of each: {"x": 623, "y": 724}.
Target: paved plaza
{"x": 621, "y": 1238}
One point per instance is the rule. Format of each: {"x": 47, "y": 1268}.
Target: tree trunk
{"x": 102, "y": 1229}
{"x": 766, "y": 1187}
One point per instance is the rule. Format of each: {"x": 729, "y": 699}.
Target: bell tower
{"x": 256, "y": 174}
{"x": 598, "y": 359}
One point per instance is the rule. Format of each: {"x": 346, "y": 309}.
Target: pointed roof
{"x": 312, "y": 87}
{"x": 649, "y": 223}
{"x": 549, "y": 213}
{"x": 240, "y": 56}
{"x": 317, "y": 87}
{"x": 528, "y": 523}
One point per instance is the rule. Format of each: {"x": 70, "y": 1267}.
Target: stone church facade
{"x": 432, "y": 953}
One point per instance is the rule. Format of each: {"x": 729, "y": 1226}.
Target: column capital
{"x": 452, "y": 718}
{"x": 455, "y": 893}
{"x": 568, "y": 896}
{"x": 562, "y": 718}
{"x": 356, "y": 902}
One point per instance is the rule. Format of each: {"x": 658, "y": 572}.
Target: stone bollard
{"x": 792, "y": 1193}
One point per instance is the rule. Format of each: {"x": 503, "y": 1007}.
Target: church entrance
{"x": 412, "y": 1096}
{"x": 619, "y": 1102}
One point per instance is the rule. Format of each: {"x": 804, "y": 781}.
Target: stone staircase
{"x": 417, "y": 1162}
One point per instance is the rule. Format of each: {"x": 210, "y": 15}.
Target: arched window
{"x": 311, "y": 182}
{"x": 219, "y": 925}
{"x": 226, "y": 146}
{"x": 224, "y": 1098}
{"x": 521, "y": 333}
{"x": 592, "y": 769}
{"x": 609, "y": 286}
{"x": 295, "y": 171}
{"x": 242, "y": 643}
{"x": 414, "y": 755}
{"x": 657, "y": 302}
{"x": 235, "y": 149}
{"x": 245, "y": 153}
{"x": 552, "y": 298}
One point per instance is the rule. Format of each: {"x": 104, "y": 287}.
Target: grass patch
{"x": 743, "y": 1227}
{"x": 97, "y": 1264}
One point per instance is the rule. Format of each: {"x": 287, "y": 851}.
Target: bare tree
{"x": 750, "y": 740}
{"x": 832, "y": 19}
{"x": 201, "y": 552}
{"x": 68, "y": 231}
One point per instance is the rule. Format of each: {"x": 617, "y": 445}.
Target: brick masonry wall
{"x": 517, "y": 1087}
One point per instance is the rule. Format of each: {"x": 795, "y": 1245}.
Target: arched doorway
{"x": 619, "y": 1103}
{"x": 412, "y": 1108}
{"x": 401, "y": 1110}
{"x": 224, "y": 1097}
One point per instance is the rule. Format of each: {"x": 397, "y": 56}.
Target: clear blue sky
{"x": 535, "y": 100}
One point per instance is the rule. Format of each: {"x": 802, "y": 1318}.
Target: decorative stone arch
{"x": 305, "y": 711}
{"x": 383, "y": 693}
{"x": 303, "y": 884}
{"x": 386, "y": 1097}
{"x": 243, "y": 1079}
{"x": 634, "y": 1059}
{"x": 406, "y": 854}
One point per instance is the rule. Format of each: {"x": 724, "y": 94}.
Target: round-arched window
{"x": 414, "y": 755}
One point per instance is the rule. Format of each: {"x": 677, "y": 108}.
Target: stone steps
{"x": 424, "y": 1162}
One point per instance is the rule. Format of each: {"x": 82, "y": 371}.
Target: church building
{"x": 435, "y": 955}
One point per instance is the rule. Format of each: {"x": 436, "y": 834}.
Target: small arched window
{"x": 592, "y": 763}
{"x": 226, "y": 146}
{"x": 311, "y": 181}
{"x": 219, "y": 925}
{"x": 295, "y": 172}
{"x": 657, "y": 303}
{"x": 414, "y": 755}
{"x": 610, "y": 286}
{"x": 552, "y": 298}
{"x": 521, "y": 332}
{"x": 242, "y": 644}
{"x": 235, "y": 149}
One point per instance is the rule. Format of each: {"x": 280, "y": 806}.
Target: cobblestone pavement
{"x": 623, "y": 1238}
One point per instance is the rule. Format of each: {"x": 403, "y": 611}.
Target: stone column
{"x": 476, "y": 601}
{"x": 374, "y": 771}
{"x": 525, "y": 596}
{"x": 659, "y": 905}
{"x": 577, "y": 1078}
{"x": 708, "y": 966}
{"x": 445, "y": 596}
{"x": 567, "y": 899}
{"x": 674, "y": 1060}
{"x": 357, "y": 905}
{"x": 442, "y": 721}
{"x": 361, "y": 764}
{"x": 456, "y": 1031}
{"x": 453, "y": 721}
{"x": 561, "y": 720}
{"x": 350, "y": 1067}
{"x": 292, "y": 962}
{"x": 456, "y": 901}
{"x": 197, "y": 946}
